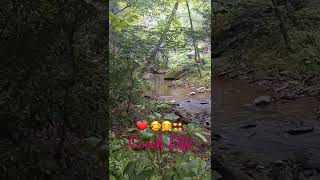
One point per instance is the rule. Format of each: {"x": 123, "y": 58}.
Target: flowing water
{"x": 200, "y": 102}
{"x": 250, "y": 132}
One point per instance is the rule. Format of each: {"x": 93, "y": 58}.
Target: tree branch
{"x": 123, "y": 9}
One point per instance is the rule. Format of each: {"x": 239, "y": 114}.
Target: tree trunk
{"x": 157, "y": 48}
{"x": 291, "y": 12}
{"x": 283, "y": 24}
{"x": 196, "y": 50}
{"x": 113, "y": 34}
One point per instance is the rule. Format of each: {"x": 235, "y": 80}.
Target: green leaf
{"x": 146, "y": 136}
{"x": 206, "y": 133}
{"x": 171, "y": 117}
{"x": 115, "y": 147}
{"x": 141, "y": 107}
{"x": 166, "y": 139}
{"x": 157, "y": 115}
{"x": 145, "y": 174}
{"x": 201, "y": 136}
{"x": 150, "y": 118}
{"x": 112, "y": 177}
{"x": 169, "y": 175}
{"x": 130, "y": 169}
{"x": 208, "y": 176}
{"x": 131, "y": 130}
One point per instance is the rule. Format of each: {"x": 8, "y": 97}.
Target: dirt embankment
{"x": 249, "y": 45}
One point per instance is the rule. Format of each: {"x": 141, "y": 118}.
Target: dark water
{"x": 268, "y": 140}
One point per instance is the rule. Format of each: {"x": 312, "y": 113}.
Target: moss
{"x": 175, "y": 73}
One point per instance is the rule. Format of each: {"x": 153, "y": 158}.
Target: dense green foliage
{"x": 250, "y": 32}
{"x": 135, "y": 29}
{"x": 55, "y": 57}
{"x": 53, "y": 64}
{"x": 127, "y": 163}
{"x": 153, "y": 36}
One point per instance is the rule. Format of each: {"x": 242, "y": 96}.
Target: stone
{"x": 248, "y": 126}
{"x": 251, "y": 165}
{"x": 262, "y": 100}
{"x": 184, "y": 115}
{"x": 260, "y": 167}
{"x": 282, "y": 87}
{"x": 289, "y": 96}
{"x": 300, "y": 130}
{"x": 193, "y": 93}
{"x": 216, "y": 136}
{"x": 179, "y": 83}
{"x": 244, "y": 77}
{"x": 307, "y": 62}
{"x": 278, "y": 162}
{"x": 284, "y": 73}
{"x": 201, "y": 90}
{"x": 293, "y": 82}
{"x": 148, "y": 75}
{"x": 314, "y": 89}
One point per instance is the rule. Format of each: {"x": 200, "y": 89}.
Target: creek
{"x": 248, "y": 132}
{"x": 200, "y": 103}
{"x": 260, "y": 133}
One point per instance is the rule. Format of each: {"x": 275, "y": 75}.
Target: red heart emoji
{"x": 142, "y": 125}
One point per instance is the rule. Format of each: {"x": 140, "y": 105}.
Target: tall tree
{"x": 162, "y": 36}
{"x": 283, "y": 24}
{"x": 196, "y": 50}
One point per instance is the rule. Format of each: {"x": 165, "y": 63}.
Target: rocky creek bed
{"x": 258, "y": 134}
{"x": 265, "y": 124}
{"x": 278, "y": 140}
{"x": 192, "y": 104}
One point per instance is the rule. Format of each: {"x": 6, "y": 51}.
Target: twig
{"x": 123, "y": 9}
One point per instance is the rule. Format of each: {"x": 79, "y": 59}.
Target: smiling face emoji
{"x": 155, "y": 126}
{"x": 166, "y": 126}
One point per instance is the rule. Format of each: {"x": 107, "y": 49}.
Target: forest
{"x": 72, "y": 70}
{"x": 87, "y": 85}
{"x": 160, "y": 59}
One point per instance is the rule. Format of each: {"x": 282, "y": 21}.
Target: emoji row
{"x": 158, "y": 126}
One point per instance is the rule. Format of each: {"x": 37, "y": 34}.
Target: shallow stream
{"x": 260, "y": 133}
{"x": 249, "y": 132}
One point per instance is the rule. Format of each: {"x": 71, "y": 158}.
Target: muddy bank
{"x": 281, "y": 84}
